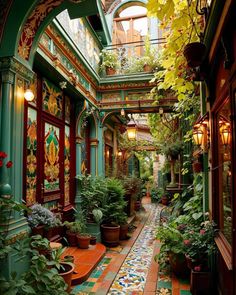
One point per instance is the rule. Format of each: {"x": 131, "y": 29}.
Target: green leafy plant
{"x": 115, "y": 203}
{"x": 200, "y": 244}
{"x": 109, "y": 59}
{"x": 73, "y": 226}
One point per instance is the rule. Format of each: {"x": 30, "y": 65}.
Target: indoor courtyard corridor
{"x": 130, "y": 268}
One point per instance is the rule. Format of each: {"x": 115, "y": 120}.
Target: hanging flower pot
{"x": 194, "y": 54}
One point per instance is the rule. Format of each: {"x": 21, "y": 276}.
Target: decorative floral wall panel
{"x": 51, "y": 157}
{"x": 31, "y": 159}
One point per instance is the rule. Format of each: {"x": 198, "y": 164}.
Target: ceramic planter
{"x": 124, "y": 231}
{"x": 194, "y": 54}
{"x": 110, "y": 234}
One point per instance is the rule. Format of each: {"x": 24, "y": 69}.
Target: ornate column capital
{"x": 11, "y": 64}
{"x": 8, "y": 77}
{"x": 78, "y": 140}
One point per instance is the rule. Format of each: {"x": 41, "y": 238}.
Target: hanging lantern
{"x": 131, "y": 130}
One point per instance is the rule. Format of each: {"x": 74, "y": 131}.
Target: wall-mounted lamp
{"x": 225, "y": 134}
{"x": 28, "y": 95}
{"x": 200, "y": 134}
{"x": 131, "y": 129}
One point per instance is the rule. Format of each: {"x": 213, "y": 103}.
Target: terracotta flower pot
{"x": 83, "y": 241}
{"x": 93, "y": 240}
{"x": 66, "y": 272}
{"x": 110, "y": 71}
{"x": 71, "y": 238}
{"x": 194, "y": 54}
{"x": 147, "y": 68}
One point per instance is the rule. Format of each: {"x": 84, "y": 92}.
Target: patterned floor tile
{"x": 133, "y": 273}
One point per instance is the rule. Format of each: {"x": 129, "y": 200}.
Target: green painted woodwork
{"x": 100, "y": 152}
{"x": 84, "y": 8}
{"x": 16, "y": 17}
{"x": 5, "y": 140}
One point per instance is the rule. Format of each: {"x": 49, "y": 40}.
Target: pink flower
{"x": 187, "y": 242}
{"x": 202, "y": 231}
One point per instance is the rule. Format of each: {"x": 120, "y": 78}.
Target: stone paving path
{"x": 133, "y": 272}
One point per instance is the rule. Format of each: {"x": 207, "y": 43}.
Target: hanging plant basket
{"x": 194, "y": 54}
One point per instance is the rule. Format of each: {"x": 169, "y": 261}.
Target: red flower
{"x": 197, "y": 268}
{"x": 9, "y": 164}
{"x": 1, "y": 163}
{"x": 202, "y": 231}
{"x": 3, "y": 155}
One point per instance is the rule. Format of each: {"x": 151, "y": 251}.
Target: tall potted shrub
{"x": 115, "y": 205}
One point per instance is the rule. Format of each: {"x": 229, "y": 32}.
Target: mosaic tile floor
{"x": 130, "y": 268}
{"x": 132, "y": 275}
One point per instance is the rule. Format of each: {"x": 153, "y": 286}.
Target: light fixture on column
{"x": 198, "y": 135}
{"x": 28, "y": 95}
{"x": 131, "y": 129}
{"x": 201, "y": 134}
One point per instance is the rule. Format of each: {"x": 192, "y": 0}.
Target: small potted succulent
{"x": 73, "y": 229}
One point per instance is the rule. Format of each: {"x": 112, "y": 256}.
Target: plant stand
{"x": 201, "y": 282}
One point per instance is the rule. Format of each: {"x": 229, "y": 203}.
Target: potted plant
{"x": 93, "y": 195}
{"x": 109, "y": 61}
{"x": 65, "y": 268}
{"x": 73, "y": 229}
{"x": 83, "y": 238}
{"x": 115, "y": 205}
{"x": 41, "y": 219}
{"x": 172, "y": 248}
{"x": 42, "y": 245}
{"x": 124, "y": 226}
{"x": 199, "y": 247}
{"x": 194, "y": 53}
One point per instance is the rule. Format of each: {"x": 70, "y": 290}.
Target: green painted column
{"x": 5, "y": 139}
{"x": 78, "y": 172}
{"x": 94, "y": 158}
{"x": 101, "y": 160}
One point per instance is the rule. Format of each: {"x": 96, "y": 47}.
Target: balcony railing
{"x": 137, "y": 57}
